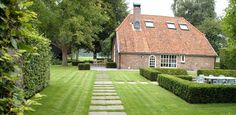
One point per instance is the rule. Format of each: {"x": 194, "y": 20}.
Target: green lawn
{"x": 143, "y": 99}
{"x": 70, "y": 90}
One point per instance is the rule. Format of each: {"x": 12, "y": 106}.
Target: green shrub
{"x": 84, "y": 66}
{"x": 37, "y": 67}
{"x": 217, "y": 72}
{"x": 110, "y": 65}
{"x": 198, "y": 93}
{"x": 185, "y": 77}
{"x": 227, "y": 58}
{"x": 88, "y": 61}
{"x": 75, "y": 63}
{"x": 149, "y": 73}
{"x": 172, "y": 71}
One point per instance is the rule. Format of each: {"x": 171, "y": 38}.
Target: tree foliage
{"x": 229, "y": 23}
{"x": 116, "y": 10}
{"x": 195, "y": 11}
{"x": 70, "y": 22}
{"x": 15, "y": 20}
{"x": 212, "y": 29}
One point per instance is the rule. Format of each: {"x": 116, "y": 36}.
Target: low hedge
{"x": 149, "y": 73}
{"x": 185, "y": 77}
{"x": 172, "y": 71}
{"x": 84, "y": 66}
{"x": 110, "y": 65}
{"x": 217, "y": 72}
{"x": 75, "y": 63}
{"x": 152, "y": 73}
{"x": 198, "y": 93}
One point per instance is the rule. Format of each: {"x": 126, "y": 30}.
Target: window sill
{"x": 182, "y": 62}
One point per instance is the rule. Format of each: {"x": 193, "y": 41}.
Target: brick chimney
{"x": 136, "y": 16}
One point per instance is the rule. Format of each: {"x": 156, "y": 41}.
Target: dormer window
{"x": 171, "y": 25}
{"x": 137, "y": 25}
{"x": 183, "y": 26}
{"x": 149, "y": 24}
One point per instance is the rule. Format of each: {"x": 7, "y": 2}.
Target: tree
{"x": 70, "y": 22}
{"x": 212, "y": 29}
{"x": 195, "y": 11}
{"x": 116, "y": 11}
{"x": 229, "y": 23}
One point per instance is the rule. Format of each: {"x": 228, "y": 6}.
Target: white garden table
{"x": 220, "y": 80}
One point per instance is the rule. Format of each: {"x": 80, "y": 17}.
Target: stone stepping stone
{"x": 103, "y": 82}
{"x": 107, "y": 113}
{"x": 102, "y": 88}
{"x": 103, "y": 91}
{"x": 109, "y": 107}
{"x": 155, "y": 83}
{"x": 132, "y": 82}
{"x": 103, "y": 85}
{"x": 120, "y": 82}
{"x": 143, "y": 82}
{"x": 104, "y": 94}
{"x": 106, "y": 102}
{"x": 105, "y": 97}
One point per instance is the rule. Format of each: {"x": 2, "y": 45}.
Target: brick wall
{"x": 135, "y": 61}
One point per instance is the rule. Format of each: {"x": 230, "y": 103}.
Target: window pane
{"x": 171, "y": 25}
{"x": 183, "y": 26}
{"x": 152, "y": 61}
{"x": 149, "y": 23}
{"x": 168, "y": 60}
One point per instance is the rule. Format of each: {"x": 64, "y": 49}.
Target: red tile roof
{"x": 160, "y": 39}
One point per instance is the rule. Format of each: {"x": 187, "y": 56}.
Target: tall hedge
{"x": 228, "y": 58}
{"x": 196, "y": 92}
{"x": 36, "y": 70}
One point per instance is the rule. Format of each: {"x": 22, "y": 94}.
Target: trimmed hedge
{"x": 185, "y": 77}
{"x": 152, "y": 73}
{"x": 83, "y": 66}
{"x": 75, "y": 63}
{"x": 198, "y": 93}
{"x": 217, "y": 72}
{"x": 172, "y": 71}
{"x": 110, "y": 65}
{"x": 149, "y": 73}
{"x": 36, "y": 68}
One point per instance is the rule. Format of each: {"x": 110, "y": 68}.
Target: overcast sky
{"x": 163, "y": 7}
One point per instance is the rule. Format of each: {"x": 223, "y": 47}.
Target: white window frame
{"x": 171, "y": 25}
{"x": 183, "y": 26}
{"x": 166, "y": 61}
{"x": 181, "y": 58}
{"x": 149, "y": 24}
{"x": 149, "y": 61}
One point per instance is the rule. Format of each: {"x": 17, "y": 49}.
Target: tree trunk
{"x": 77, "y": 55}
{"x": 64, "y": 56}
{"x": 94, "y": 55}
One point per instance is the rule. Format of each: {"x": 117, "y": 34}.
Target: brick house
{"x": 160, "y": 42}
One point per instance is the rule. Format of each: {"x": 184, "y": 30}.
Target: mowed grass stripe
{"x": 69, "y": 92}
{"x": 75, "y": 89}
{"x": 148, "y": 99}
{"x": 126, "y": 76}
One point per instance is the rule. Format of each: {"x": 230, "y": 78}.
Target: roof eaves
{"x": 123, "y": 22}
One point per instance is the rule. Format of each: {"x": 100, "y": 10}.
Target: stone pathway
{"x": 105, "y": 100}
